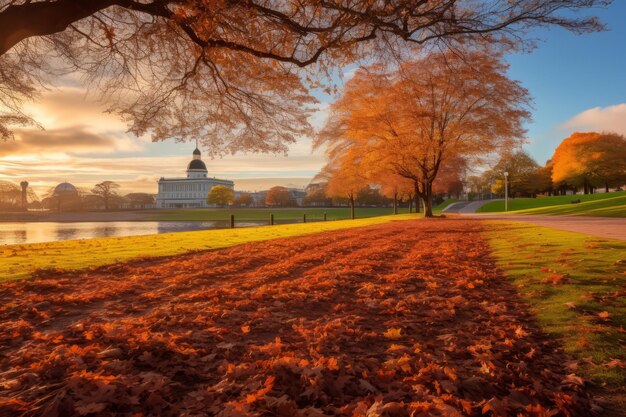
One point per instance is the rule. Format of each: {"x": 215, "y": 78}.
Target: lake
{"x": 35, "y": 232}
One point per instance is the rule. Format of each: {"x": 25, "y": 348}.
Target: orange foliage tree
{"x": 395, "y": 187}
{"x": 590, "y": 160}
{"x": 279, "y": 197}
{"x": 345, "y": 180}
{"x": 426, "y": 113}
{"x": 229, "y": 71}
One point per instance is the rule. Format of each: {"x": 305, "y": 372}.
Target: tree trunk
{"x": 428, "y": 206}
{"x": 427, "y": 198}
{"x": 411, "y": 205}
{"x": 352, "y": 208}
{"x": 585, "y": 187}
{"x": 416, "y": 197}
{"x": 21, "y": 21}
{"x": 395, "y": 203}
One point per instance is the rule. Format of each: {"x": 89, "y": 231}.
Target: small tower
{"x": 24, "y": 185}
{"x": 196, "y": 168}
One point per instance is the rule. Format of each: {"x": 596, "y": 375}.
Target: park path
{"x": 605, "y": 227}
{"x": 406, "y": 318}
{"x": 466, "y": 206}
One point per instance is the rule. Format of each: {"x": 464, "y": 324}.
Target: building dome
{"x": 196, "y": 151}
{"x": 65, "y": 188}
{"x": 196, "y": 164}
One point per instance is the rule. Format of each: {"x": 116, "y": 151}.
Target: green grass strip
{"x": 604, "y": 204}
{"x": 575, "y": 285}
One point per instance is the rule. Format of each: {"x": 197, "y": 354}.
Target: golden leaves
{"x": 393, "y": 333}
{"x": 341, "y": 325}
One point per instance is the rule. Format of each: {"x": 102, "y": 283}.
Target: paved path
{"x": 606, "y": 227}
{"x": 466, "y": 206}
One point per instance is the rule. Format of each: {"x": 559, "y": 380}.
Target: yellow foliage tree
{"x": 221, "y": 195}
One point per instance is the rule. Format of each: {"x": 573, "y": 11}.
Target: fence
{"x": 272, "y": 220}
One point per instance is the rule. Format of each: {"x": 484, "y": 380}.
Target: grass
{"x": 445, "y": 204}
{"x": 22, "y": 261}
{"x": 604, "y": 204}
{"x": 608, "y": 207}
{"x": 280, "y": 214}
{"x": 572, "y": 281}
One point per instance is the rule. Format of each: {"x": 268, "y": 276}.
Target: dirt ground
{"x": 401, "y": 319}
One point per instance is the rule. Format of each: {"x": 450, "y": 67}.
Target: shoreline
{"x": 77, "y": 217}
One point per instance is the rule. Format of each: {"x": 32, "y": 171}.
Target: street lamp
{"x": 506, "y": 191}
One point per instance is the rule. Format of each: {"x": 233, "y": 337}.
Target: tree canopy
{"x": 590, "y": 160}
{"x": 279, "y": 197}
{"x": 426, "y": 114}
{"x": 221, "y": 195}
{"x": 230, "y": 72}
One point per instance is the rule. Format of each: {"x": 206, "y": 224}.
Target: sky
{"x": 578, "y": 83}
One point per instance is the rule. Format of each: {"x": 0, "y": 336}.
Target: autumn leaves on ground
{"x": 402, "y": 319}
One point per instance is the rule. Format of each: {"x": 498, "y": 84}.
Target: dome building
{"x": 64, "y": 189}
{"x": 189, "y": 192}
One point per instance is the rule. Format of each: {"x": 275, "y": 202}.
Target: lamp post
{"x": 506, "y": 191}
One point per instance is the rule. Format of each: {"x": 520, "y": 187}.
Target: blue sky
{"x": 568, "y": 74}
{"x": 578, "y": 83}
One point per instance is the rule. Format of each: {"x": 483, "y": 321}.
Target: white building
{"x": 189, "y": 192}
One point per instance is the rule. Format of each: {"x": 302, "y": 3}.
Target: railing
{"x": 274, "y": 221}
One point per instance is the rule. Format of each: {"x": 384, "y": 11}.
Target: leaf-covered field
{"x": 400, "y": 319}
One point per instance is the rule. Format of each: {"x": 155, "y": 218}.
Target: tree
{"x": 395, "y": 187}
{"x": 244, "y": 200}
{"x": 106, "y": 191}
{"x": 371, "y": 196}
{"x": 543, "y": 179}
{"x": 140, "y": 200}
{"x": 345, "y": 180}
{"x": 231, "y": 69}
{"x": 221, "y": 195}
{"x": 427, "y": 113}
{"x": 316, "y": 195}
{"x": 522, "y": 169}
{"x": 279, "y": 197}
{"x": 590, "y": 160}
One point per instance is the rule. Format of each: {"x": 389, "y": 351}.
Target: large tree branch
{"x": 22, "y": 21}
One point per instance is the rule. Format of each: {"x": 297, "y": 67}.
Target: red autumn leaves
{"x": 403, "y": 319}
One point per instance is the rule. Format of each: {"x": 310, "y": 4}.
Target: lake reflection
{"x": 19, "y": 233}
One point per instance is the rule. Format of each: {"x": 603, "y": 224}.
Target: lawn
{"x": 22, "y": 261}
{"x": 280, "y": 214}
{"x": 575, "y": 284}
{"x": 603, "y": 204}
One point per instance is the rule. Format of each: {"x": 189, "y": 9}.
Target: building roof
{"x": 196, "y": 164}
{"x": 65, "y": 188}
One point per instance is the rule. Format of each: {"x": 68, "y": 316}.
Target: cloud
{"x": 69, "y": 141}
{"x": 250, "y": 172}
{"x": 599, "y": 119}
{"x": 62, "y": 107}
{"x": 84, "y": 145}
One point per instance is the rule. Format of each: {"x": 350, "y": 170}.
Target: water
{"x": 34, "y": 232}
